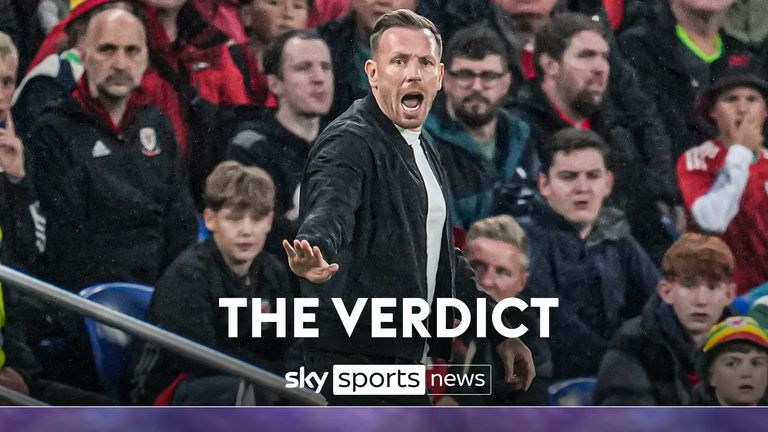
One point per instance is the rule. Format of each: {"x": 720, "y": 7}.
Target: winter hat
{"x": 750, "y": 72}
{"x": 736, "y": 328}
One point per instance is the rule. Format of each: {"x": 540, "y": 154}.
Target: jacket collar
{"x": 370, "y": 106}
{"x": 531, "y": 99}
{"x": 609, "y": 226}
{"x": 662, "y": 29}
{"x": 92, "y": 107}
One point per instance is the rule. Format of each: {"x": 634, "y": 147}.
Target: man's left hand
{"x": 518, "y": 363}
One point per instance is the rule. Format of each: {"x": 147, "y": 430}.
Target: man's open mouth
{"x": 412, "y": 101}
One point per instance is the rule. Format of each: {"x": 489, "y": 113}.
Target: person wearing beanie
{"x": 724, "y": 181}
{"x": 733, "y": 364}
{"x": 651, "y": 361}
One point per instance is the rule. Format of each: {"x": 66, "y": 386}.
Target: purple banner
{"x": 380, "y": 419}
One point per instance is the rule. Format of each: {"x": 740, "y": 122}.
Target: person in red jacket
{"x": 724, "y": 181}
{"x": 264, "y": 21}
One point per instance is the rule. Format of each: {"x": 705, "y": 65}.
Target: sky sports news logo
{"x": 400, "y": 380}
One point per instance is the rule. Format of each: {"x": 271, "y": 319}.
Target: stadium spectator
{"x": 628, "y": 106}
{"x": 17, "y": 233}
{"x": 723, "y": 181}
{"x": 54, "y": 74}
{"x": 733, "y": 365}
{"x": 239, "y": 210}
{"x": 675, "y": 52}
{"x": 651, "y": 360}
{"x": 483, "y": 147}
{"x": 583, "y": 253}
{"x": 348, "y": 38}
{"x": 298, "y": 67}
{"x": 114, "y": 204}
{"x": 265, "y": 20}
{"x": 573, "y": 56}
{"x": 497, "y": 250}
{"x": 192, "y": 74}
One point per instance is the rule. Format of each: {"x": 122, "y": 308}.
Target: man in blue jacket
{"x": 373, "y": 204}
{"x": 583, "y": 253}
{"x": 484, "y": 149}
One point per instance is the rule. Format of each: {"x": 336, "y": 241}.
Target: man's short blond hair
{"x": 403, "y": 18}
{"x": 239, "y": 187}
{"x": 502, "y": 228}
{"x": 8, "y": 49}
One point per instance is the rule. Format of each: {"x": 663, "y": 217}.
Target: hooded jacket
{"x": 601, "y": 282}
{"x": 649, "y": 361}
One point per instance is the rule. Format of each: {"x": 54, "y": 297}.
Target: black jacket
{"x": 648, "y": 362}
{"x": 363, "y": 203}
{"x": 652, "y": 48}
{"x": 269, "y": 145}
{"x": 601, "y": 282}
{"x": 186, "y": 302}
{"x": 111, "y": 208}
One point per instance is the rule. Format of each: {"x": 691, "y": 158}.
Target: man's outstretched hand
{"x": 518, "y": 363}
{"x": 306, "y": 261}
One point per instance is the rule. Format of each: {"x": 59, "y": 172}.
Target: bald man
{"x": 113, "y": 202}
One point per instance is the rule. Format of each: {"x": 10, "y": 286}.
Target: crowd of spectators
{"x": 610, "y": 153}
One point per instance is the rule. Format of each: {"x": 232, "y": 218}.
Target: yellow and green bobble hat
{"x": 741, "y": 328}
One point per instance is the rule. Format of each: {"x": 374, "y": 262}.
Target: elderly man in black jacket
{"x": 372, "y": 202}
{"x": 114, "y": 204}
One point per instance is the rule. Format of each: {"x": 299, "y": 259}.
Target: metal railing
{"x": 158, "y": 336}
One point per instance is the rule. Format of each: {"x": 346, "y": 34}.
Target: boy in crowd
{"x": 733, "y": 365}
{"x": 651, "y": 361}
{"x": 583, "y": 253}
{"x": 239, "y": 204}
{"x": 723, "y": 181}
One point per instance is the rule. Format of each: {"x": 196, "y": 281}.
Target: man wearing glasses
{"x": 483, "y": 147}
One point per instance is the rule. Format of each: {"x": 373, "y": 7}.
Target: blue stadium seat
{"x": 741, "y": 304}
{"x": 110, "y": 346}
{"x": 202, "y": 231}
{"x": 572, "y": 392}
